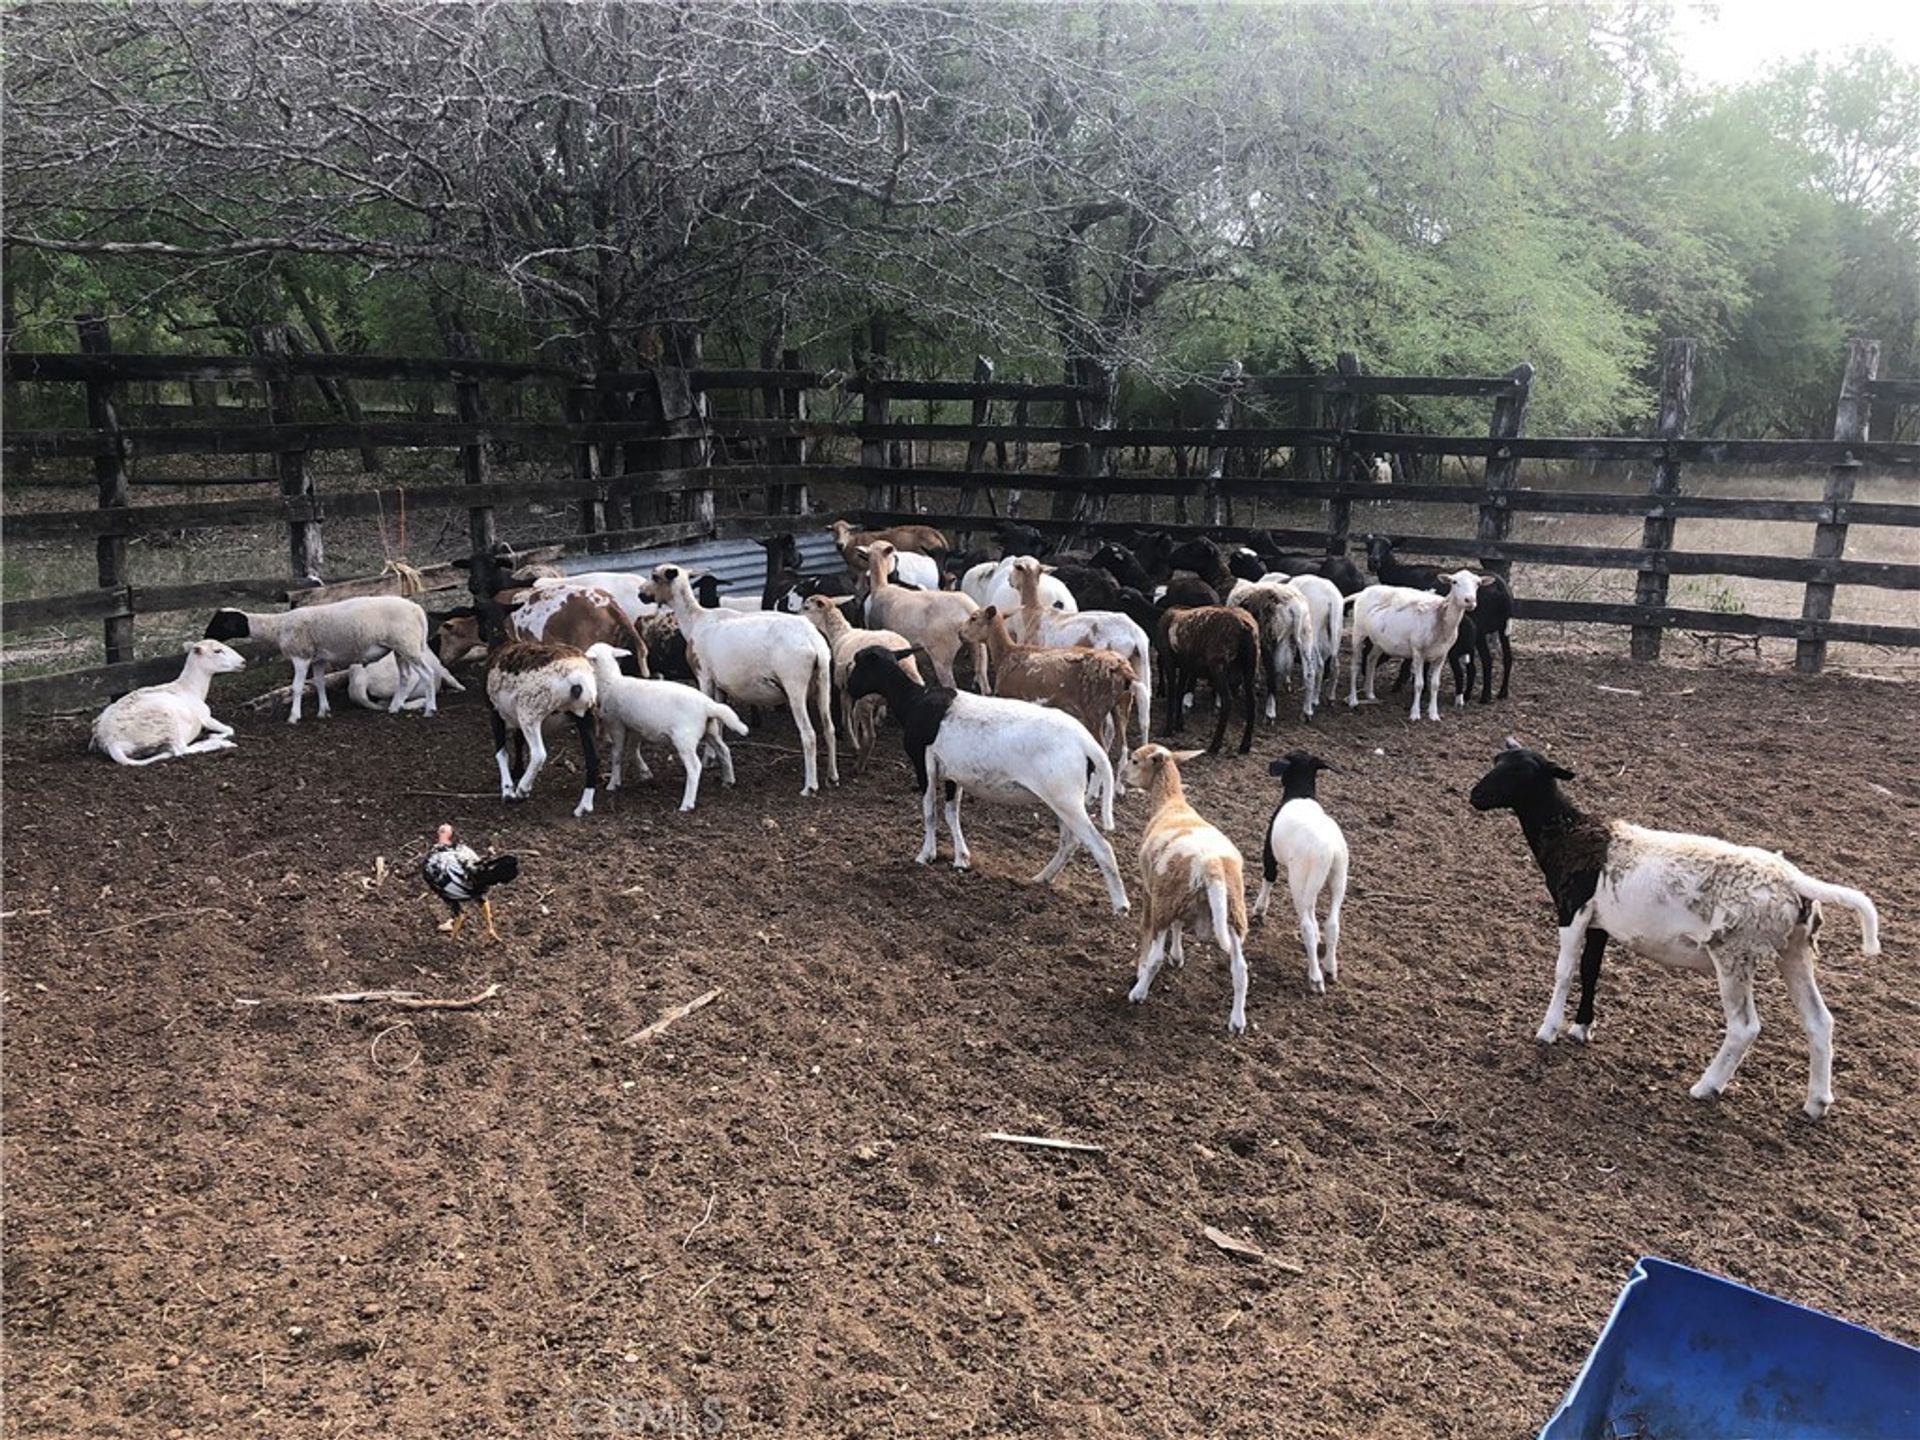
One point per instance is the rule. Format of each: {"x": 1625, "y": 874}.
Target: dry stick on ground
{"x": 1245, "y": 1251}
{"x": 705, "y": 1215}
{"x": 163, "y": 915}
{"x": 679, "y": 1012}
{"x": 1046, "y": 1143}
{"x": 1401, "y": 1088}
{"x": 453, "y": 794}
{"x": 404, "y": 999}
{"x": 373, "y": 1050}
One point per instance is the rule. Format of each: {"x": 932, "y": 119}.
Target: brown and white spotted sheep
{"x": 528, "y": 682}
{"x": 1192, "y": 875}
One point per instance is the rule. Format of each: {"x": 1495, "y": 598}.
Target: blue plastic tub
{"x": 1689, "y": 1356}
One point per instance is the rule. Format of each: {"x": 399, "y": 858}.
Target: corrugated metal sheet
{"x": 739, "y": 565}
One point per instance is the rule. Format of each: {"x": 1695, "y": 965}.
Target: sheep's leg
{"x": 1228, "y": 939}
{"x": 980, "y": 680}
{"x": 1572, "y": 936}
{"x": 321, "y": 705}
{"x": 616, "y": 750}
{"x": 429, "y": 684}
{"x": 641, "y": 769}
{"x": 1796, "y": 966}
{"x": 1102, "y": 852}
{"x": 536, "y": 758}
{"x": 500, "y": 753}
{"x": 1273, "y": 684}
{"x": 299, "y": 689}
{"x": 1143, "y": 700}
{"x": 823, "y": 693}
{"x": 583, "y": 727}
{"x": 809, "y": 750}
{"x": 962, "y": 856}
{"x": 1059, "y": 861}
{"x": 1433, "y": 688}
{"x": 1590, "y": 957}
{"x": 215, "y": 727}
{"x": 1304, "y": 897}
{"x": 1223, "y": 708}
{"x": 689, "y": 753}
{"x": 1337, "y": 879}
{"x": 1506, "y": 664}
{"x": 1251, "y": 697}
{"x": 1419, "y": 687}
{"x": 721, "y": 752}
{"x": 207, "y": 747}
{"x": 929, "y": 806}
{"x": 1733, "y": 967}
{"x": 1177, "y": 945}
{"x": 1152, "y": 951}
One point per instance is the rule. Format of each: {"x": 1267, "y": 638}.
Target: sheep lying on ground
{"x": 344, "y": 632}
{"x": 167, "y": 719}
{"x": 1192, "y": 875}
{"x": 371, "y": 687}
{"x": 1096, "y": 687}
{"x": 1007, "y": 751}
{"x": 661, "y": 711}
{"x": 1688, "y": 901}
{"x": 528, "y": 683}
{"x": 1304, "y": 840}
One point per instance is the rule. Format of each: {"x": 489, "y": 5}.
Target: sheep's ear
{"x": 1513, "y": 743}
{"x": 1183, "y": 756}
{"x": 1276, "y": 767}
{"x": 1559, "y": 772}
{"x": 1487, "y": 579}
{"x": 906, "y": 654}
{"x": 1048, "y": 569}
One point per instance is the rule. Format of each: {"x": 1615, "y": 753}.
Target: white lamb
{"x": 342, "y": 632}
{"x": 167, "y": 719}
{"x": 661, "y": 711}
{"x": 372, "y": 686}
{"x": 1414, "y": 624}
{"x": 1304, "y": 840}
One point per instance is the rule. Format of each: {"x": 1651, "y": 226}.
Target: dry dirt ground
{"x": 781, "y": 1216}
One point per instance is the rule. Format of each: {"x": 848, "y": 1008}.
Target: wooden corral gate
{"x": 646, "y": 455}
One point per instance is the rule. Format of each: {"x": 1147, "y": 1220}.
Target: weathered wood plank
{"x": 1850, "y": 423}
{"x": 1673, "y": 562}
{"x": 1356, "y": 383}
{"x": 1900, "y": 392}
{"x": 110, "y": 475}
{"x": 1591, "y": 612}
{"x": 968, "y": 389}
{"x": 54, "y": 609}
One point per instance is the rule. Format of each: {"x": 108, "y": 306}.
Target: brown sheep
{"x": 1096, "y": 687}
{"x": 1220, "y": 643}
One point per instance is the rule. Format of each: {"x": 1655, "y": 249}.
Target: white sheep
{"x": 1193, "y": 875}
{"x": 1414, "y": 624}
{"x": 1032, "y": 621}
{"x": 1324, "y": 603}
{"x": 342, "y": 632}
{"x": 991, "y": 582}
{"x": 371, "y": 687}
{"x": 167, "y": 719}
{"x": 1692, "y": 902}
{"x": 660, "y": 711}
{"x": 762, "y": 658}
{"x": 910, "y": 567}
{"x": 528, "y": 683}
{"x": 1305, "y": 841}
{"x": 1008, "y": 751}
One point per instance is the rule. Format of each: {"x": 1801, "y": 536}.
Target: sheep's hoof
{"x": 1123, "y": 908}
{"x": 1816, "y": 1109}
{"x": 1545, "y": 1035}
{"x": 1236, "y": 1024}
{"x": 925, "y": 857}
{"x": 962, "y": 862}
{"x": 1137, "y": 995}
{"x": 1703, "y": 1091}
{"x": 1317, "y": 985}
{"x": 1582, "y": 1033}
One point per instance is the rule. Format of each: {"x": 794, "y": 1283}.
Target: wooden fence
{"x": 644, "y": 463}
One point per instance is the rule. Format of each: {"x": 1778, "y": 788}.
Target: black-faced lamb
{"x": 343, "y": 632}
{"x": 164, "y": 722}
{"x": 661, "y": 711}
{"x": 1007, "y": 751}
{"x": 1192, "y": 875}
{"x": 1303, "y": 840}
{"x": 1691, "y": 902}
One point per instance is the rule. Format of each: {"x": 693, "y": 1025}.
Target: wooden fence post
{"x": 481, "y": 530}
{"x": 1850, "y": 426}
{"x": 796, "y": 501}
{"x": 1340, "y": 410}
{"x": 873, "y": 453}
{"x": 1022, "y": 416}
{"x": 696, "y": 442}
{"x": 582, "y": 406}
{"x": 1509, "y": 414}
{"x": 976, "y": 448}
{"x": 110, "y": 469}
{"x": 1098, "y": 413}
{"x": 1231, "y": 380}
{"x": 306, "y": 553}
{"x": 1676, "y": 401}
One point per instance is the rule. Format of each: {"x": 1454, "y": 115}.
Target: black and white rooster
{"x": 458, "y": 875}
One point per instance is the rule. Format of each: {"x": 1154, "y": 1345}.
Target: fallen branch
{"x": 1617, "y": 690}
{"x": 1245, "y": 1251}
{"x": 1046, "y": 1142}
{"x": 454, "y": 794}
{"x": 402, "y": 999}
{"x": 679, "y": 1012}
{"x": 1401, "y": 1088}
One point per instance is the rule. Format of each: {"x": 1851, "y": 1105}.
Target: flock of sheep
{"x": 1065, "y": 655}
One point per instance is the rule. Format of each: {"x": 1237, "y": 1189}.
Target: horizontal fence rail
{"x": 643, "y": 457}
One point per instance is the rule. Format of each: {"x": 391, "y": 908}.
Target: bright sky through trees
{"x": 1732, "y": 42}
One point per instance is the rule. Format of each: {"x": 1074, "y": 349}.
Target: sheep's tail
{"x": 726, "y": 716}
{"x": 1229, "y": 912}
{"x": 1102, "y": 786}
{"x": 1812, "y": 889}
